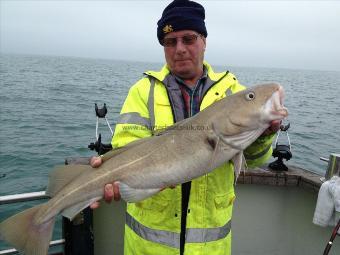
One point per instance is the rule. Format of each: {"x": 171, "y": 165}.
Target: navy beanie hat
{"x": 182, "y": 15}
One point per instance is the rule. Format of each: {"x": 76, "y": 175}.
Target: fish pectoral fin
{"x": 62, "y": 175}
{"x": 71, "y": 212}
{"x": 133, "y": 195}
{"x": 213, "y": 140}
{"x": 239, "y": 163}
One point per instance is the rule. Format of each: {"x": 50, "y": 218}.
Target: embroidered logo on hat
{"x": 167, "y": 29}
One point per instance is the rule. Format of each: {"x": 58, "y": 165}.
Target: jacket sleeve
{"x": 134, "y": 122}
{"x": 260, "y": 151}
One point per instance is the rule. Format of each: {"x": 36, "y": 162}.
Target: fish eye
{"x": 250, "y": 96}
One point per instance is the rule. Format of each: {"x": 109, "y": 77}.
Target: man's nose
{"x": 180, "y": 46}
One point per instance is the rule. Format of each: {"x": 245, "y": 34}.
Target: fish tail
{"x": 25, "y": 235}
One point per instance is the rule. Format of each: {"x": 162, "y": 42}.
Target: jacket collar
{"x": 174, "y": 92}
{"x": 161, "y": 75}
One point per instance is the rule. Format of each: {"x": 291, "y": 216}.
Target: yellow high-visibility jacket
{"x": 153, "y": 225}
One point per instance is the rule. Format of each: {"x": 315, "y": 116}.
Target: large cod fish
{"x": 180, "y": 153}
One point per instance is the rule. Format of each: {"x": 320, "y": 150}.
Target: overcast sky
{"x": 290, "y": 34}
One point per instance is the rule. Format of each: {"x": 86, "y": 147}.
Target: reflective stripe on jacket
{"x": 153, "y": 225}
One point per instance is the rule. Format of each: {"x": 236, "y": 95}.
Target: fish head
{"x": 253, "y": 109}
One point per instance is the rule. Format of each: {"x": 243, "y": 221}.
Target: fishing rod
{"x": 330, "y": 242}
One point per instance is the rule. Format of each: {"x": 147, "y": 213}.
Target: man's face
{"x": 185, "y": 58}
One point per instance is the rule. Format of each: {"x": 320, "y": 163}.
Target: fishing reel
{"x": 98, "y": 146}
{"x": 282, "y": 150}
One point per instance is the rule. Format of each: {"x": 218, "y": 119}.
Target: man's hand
{"x": 111, "y": 190}
{"x": 96, "y": 162}
{"x": 273, "y": 128}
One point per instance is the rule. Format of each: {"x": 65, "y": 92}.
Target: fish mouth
{"x": 274, "y": 106}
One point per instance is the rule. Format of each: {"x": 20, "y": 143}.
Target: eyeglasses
{"x": 186, "y": 40}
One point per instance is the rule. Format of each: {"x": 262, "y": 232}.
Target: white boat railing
{"x": 324, "y": 159}
{"x": 333, "y": 167}
{"x": 8, "y": 199}
{"x": 14, "y": 251}
{"x": 31, "y": 196}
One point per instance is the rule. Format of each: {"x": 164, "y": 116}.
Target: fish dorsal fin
{"x": 60, "y": 176}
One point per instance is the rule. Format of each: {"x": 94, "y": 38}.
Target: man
{"x": 195, "y": 217}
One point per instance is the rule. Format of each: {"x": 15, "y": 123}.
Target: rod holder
{"x": 333, "y": 167}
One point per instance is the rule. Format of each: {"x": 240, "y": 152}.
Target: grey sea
{"x": 47, "y": 113}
